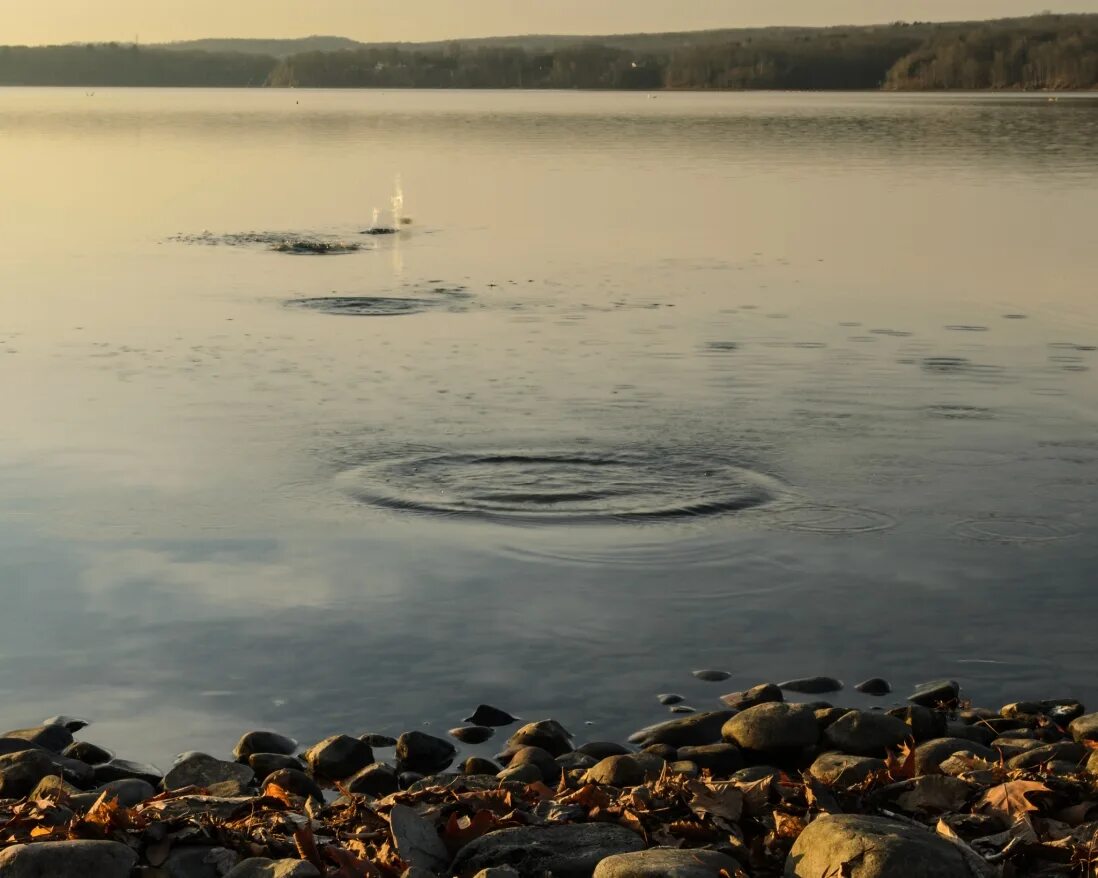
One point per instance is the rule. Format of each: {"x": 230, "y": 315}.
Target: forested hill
{"x": 1041, "y": 52}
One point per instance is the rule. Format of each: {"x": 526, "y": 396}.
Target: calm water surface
{"x": 780, "y": 384}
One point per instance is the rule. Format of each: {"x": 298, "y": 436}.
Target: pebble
{"x": 764, "y": 693}
{"x": 935, "y": 693}
{"x": 712, "y": 676}
{"x": 812, "y": 685}
{"x": 669, "y": 698}
{"x": 547, "y": 734}
{"x": 264, "y": 742}
{"x": 874, "y": 686}
{"x": 472, "y": 734}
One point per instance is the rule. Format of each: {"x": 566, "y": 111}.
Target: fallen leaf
{"x": 1008, "y": 800}
{"x": 722, "y": 800}
{"x": 946, "y": 831}
{"x": 935, "y": 794}
{"x": 788, "y": 825}
{"x": 459, "y": 831}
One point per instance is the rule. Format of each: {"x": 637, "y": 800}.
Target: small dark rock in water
{"x": 69, "y": 722}
{"x": 711, "y": 676}
{"x": 419, "y": 751}
{"x": 379, "y": 230}
{"x": 87, "y": 752}
{"x": 338, "y": 757}
{"x": 486, "y": 715}
{"x": 547, "y": 734}
{"x": 472, "y": 734}
{"x": 682, "y": 708}
{"x": 696, "y": 729}
{"x": 602, "y": 749}
{"x": 264, "y": 742}
{"x": 874, "y": 686}
{"x": 375, "y": 780}
{"x": 296, "y": 782}
{"x": 938, "y": 692}
{"x": 669, "y": 699}
{"x": 120, "y": 769}
{"x": 264, "y": 764}
{"x": 764, "y": 693}
{"x": 201, "y": 770}
{"x": 812, "y": 685}
{"x": 479, "y": 765}
{"x": 381, "y": 741}
{"x": 54, "y": 738}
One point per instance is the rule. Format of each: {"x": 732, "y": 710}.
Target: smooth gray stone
{"x": 570, "y": 849}
{"x": 260, "y": 867}
{"x": 667, "y": 863}
{"x": 201, "y": 770}
{"x": 68, "y": 859}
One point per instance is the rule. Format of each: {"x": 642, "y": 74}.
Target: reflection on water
{"x": 784, "y": 384}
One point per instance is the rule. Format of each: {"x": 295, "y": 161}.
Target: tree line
{"x": 1043, "y": 52}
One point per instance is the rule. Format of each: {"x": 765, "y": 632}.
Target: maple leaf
{"x": 1008, "y": 800}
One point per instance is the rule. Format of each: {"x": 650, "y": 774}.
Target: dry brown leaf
{"x": 946, "y": 831}
{"x": 1008, "y": 800}
{"x": 756, "y": 795}
{"x": 305, "y": 842}
{"x": 722, "y": 800}
{"x": 901, "y": 766}
{"x": 274, "y": 791}
{"x": 788, "y": 825}
{"x": 459, "y": 831}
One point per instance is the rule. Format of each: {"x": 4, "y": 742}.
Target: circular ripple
{"x": 833, "y": 520}
{"x": 1013, "y": 530}
{"x": 575, "y": 487}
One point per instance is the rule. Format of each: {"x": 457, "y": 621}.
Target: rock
{"x": 764, "y": 693}
{"x": 561, "y": 850}
{"x": 498, "y": 872}
{"x": 54, "y": 738}
{"x": 201, "y": 770}
{"x": 1064, "y": 751}
{"x": 668, "y": 698}
{"x": 338, "y": 757}
{"x": 378, "y": 741}
{"x": 936, "y": 693}
{"x": 261, "y": 867}
{"x": 486, "y": 715}
{"x": 1092, "y": 763}
{"x": 1020, "y": 709}
{"x": 683, "y": 708}
{"x": 479, "y": 765}
{"x": 694, "y": 730}
{"x": 417, "y": 842}
{"x": 377, "y": 780}
{"x": 408, "y": 779}
{"x": 755, "y": 773}
{"x": 874, "y": 686}
{"x": 828, "y": 715}
{"x": 684, "y": 767}
{"x": 931, "y": 754}
{"x": 525, "y": 773}
{"x": 720, "y": 759}
{"x": 53, "y": 787}
{"x": 472, "y": 734}
{"x": 771, "y": 728}
{"x": 616, "y": 771}
{"x": 924, "y": 723}
{"x": 667, "y": 863}
{"x": 1084, "y": 728}
{"x": 87, "y": 752}
{"x": 601, "y": 749}
{"x": 866, "y": 734}
{"x": 129, "y": 791}
{"x": 711, "y": 676}
{"x": 295, "y": 782}
{"x": 576, "y": 760}
{"x": 66, "y": 859}
{"x": 812, "y": 685}
{"x": 546, "y": 764}
{"x": 265, "y": 764}
{"x": 264, "y": 742}
{"x": 842, "y": 770}
{"x": 665, "y": 751}
{"x": 651, "y": 764}
{"x": 21, "y": 772}
{"x": 413, "y": 872}
{"x": 547, "y": 734}
{"x": 872, "y": 847}
{"x": 1062, "y": 710}
{"x": 979, "y": 733}
{"x": 16, "y": 745}
{"x": 1010, "y": 747}
{"x": 73, "y": 724}
{"x": 120, "y": 769}
{"x": 419, "y": 751}
{"x": 199, "y": 862}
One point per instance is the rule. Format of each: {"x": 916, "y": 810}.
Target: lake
{"x": 781, "y": 384}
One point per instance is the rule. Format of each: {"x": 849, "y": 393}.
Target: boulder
{"x": 375, "y": 780}
{"x": 261, "y": 867}
{"x": 616, "y": 771}
{"x": 667, "y": 863}
{"x": 61, "y": 859}
{"x": 570, "y": 849}
{"x": 764, "y": 693}
{"x": 774, "y": 727}
{"x": 843, "y": 770}
{"x": 874, "y": 686}
{"x": 53, "y": 737}
{"x": 694, "y": 730}
{"x": 812, "y": 685}
{"x": 1084, "y": 728}
{"x": 872, "y": 847}
{"x": 931, "y": 754}
{"x": 935, "y": 693}
{"x": 548, "y": 734}
{"x": 866, "y": 734}
{"x": 338, "y": 757}
{"x": 417, "y": 841}
{"x": 264, "y": 742}
{"x": 201, "y": 770}
{"x": 418, "y": 751}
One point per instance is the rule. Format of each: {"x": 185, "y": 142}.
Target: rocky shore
{"x": 771, "y": 784}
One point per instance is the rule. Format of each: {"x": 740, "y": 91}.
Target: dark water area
{"x": 774, "y": 384}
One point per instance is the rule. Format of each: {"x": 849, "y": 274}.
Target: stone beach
{"x": 927, "y": 786}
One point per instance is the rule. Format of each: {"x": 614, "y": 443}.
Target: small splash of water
{"x": 397, "y": 203}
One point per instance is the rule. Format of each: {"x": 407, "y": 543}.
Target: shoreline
{"x": 783, "y": 780}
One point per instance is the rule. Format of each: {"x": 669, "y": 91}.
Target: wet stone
{"x": 936, "y": 693}
{"x": 842, "y": 770}
{"x": 377, "y": 780}
{"x": 709, "y": 675}
{"x": 486, "y": 715}
{"x": 476, "y": 765}
{"x": 866, "y": 734}
{"x": 547, "y": 734}
{"x": 264, "y": 764}
{"x": 697, "y": 729}
{"x": 683, "y": 708}
{"x": 774, "y": 727}
{"x": 472, "y": 734}
{"x": 54, "y": 738}
{"x": 812, "y": 685}
{"x": 378, "y": 741}
{"x": 296, "y": 782}
{"x": 668, "y": 699}
{"x": 419, "y": 751}
{"x": 264, "y": 742}
{"x": 764, "y": 693}
{"x": 616, "y": 771}
{"x": 546, "y": 764}
{"x": 87, "y": 752}
{"x": 602, "y": 749}
{"x": 1084, "y": 728}
{"x": 874, "y": 686}
{"x": 201, "y": 770}
{"x": 338, "y": 757}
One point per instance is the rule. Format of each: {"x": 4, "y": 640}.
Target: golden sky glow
{"x": 62, "y": 21}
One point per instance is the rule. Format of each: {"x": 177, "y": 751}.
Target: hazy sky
{"x": 58, "y": 21}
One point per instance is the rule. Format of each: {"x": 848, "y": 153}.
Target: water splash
{"x": 397, "y": 202}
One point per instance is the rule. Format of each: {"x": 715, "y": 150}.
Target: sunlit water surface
{"x": 780, "y": 384}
